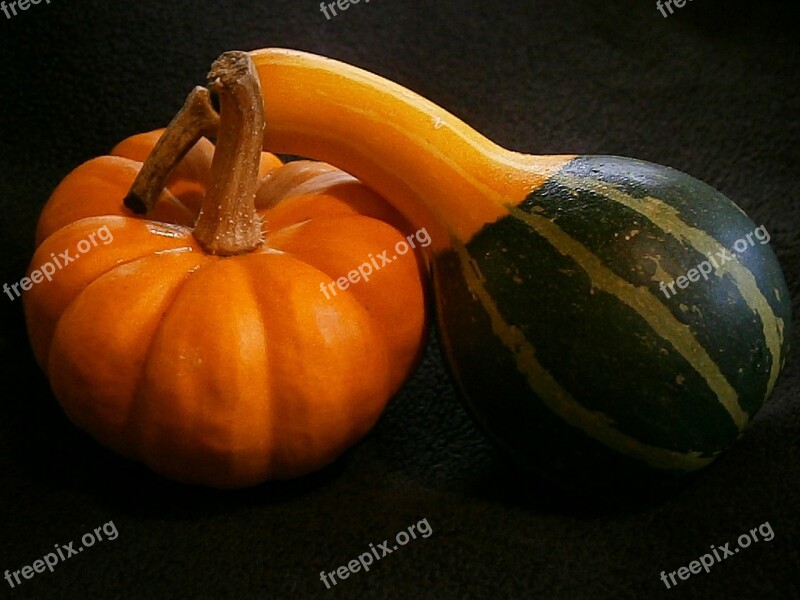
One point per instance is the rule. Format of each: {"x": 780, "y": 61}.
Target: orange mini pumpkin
{"x": 219, "y": 349}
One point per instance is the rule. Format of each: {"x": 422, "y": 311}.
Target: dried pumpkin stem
{"x": 196, "y": 118}
{"x": 228, "y": 223}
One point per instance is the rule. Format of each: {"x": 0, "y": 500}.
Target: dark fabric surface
{"x": 711, "y": 90}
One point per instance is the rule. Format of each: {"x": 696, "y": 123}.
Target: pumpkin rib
{"x": 96, "y": 188}
{"x": 343, "y": 222}
{"x": 327, "y": 253}
{"x": 124, "y": 262}
{"x": 103, "y": 218}
{"x": 85, "y": 186}
{"x": 349, "y": 432}
{"x": 273, "y": 391}
{"x": 278, "y": 185}
{"x": 261, "y": 451}
{"x": 81, "y": 415}
{"x": 221, "y": 440}
{"x": 307, "y": 180}
{"x": 346, "y": 198}
{"x": 78, "y": 234}
{"x": 138, "y": 422}
{"x": 269, "y": 382}
{"x": 137, "y": 398}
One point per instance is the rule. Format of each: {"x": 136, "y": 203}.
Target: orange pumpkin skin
{"x": 223, "y": 370}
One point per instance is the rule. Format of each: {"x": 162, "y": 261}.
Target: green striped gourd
{"x": 549, "y": 276}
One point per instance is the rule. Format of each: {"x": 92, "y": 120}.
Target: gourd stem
{"x": 228, "y": 223}
{"x": 197, "y": 118}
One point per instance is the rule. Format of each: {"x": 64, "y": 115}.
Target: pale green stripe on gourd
{"x": 595, "y": 424}
{"x": 641, "y": 300}
{"x": 668, "y": 219}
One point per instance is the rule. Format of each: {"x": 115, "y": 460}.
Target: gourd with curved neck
{"x": 581, "y": 307}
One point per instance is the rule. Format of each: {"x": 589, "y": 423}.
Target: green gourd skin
{"x": 569, "y": 354}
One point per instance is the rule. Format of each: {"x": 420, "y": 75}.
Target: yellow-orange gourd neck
{"x": 433, "y": 167}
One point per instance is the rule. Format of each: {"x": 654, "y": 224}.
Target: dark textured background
{"x": 712, "y": 90}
